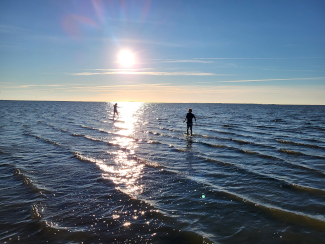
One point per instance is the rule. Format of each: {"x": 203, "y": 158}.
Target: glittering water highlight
{"x": 73, "y": 173}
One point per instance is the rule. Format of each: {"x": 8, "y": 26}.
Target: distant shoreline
{"x": 166, "y": 102}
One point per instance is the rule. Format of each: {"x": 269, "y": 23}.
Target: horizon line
{"x": 280, "y": 104}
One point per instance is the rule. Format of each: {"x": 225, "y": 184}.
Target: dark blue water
{"x": 71, "y": 173}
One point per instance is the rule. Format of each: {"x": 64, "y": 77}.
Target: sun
{"x": 126, "y": 58}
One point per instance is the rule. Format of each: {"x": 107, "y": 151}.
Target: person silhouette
{"x": 189, "y": 118}
{"x": 115, "y": 109}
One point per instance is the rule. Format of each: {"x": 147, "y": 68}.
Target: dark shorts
{"x": 189, "y": 125}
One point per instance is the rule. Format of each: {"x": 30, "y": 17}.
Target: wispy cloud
{"x": 186, "y": 61}
{"x": 283, "y": 79}
{"x": 24, "y": 86}
{"x": 158, "y": 73}
{"x": 265, "y": 58}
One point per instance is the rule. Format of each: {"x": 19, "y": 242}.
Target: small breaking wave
{"x": 153, "y": 142}
{"x": 35, "y": 212}
{"x": 86, "y": 127}
{"x": 74, "y": 134}
{"x": 92, "y": 138}
{"x": 79, "y": 156}
{"x": 175, "y": 149}
{"x": 149, "y": 163}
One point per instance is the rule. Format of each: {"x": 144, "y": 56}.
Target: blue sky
{"x": 185, "y": 51}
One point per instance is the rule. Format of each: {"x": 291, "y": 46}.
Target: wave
{"x": 224, "y": 146}
{"x": 153, "y": 142}
{"x": 87, "y": 127}
{"x": 300, "y": 153}
{"x": 289, "y": 151}
{"x": 240, "y": 150}
{"x": 223, "y": 132}
{"x": 28, "y": 182}
{"x": 241, "y": 141}
{"x": 35, "y": 213}
{"x": 149, "y": 163}
{"x": 79, "y": 156}
{"x": 304, "y": 167}
{"x": 286, "y": 183}
{"x": 93, "y": 139}
{"x": 234, "y": 140}
{"x": 249, "y": 152}
{"x": 294, "y": 216}
{"x": 146, "y": 162}
{"x": 297, "y": 143}
{"x": 211, "y": 145}
{"x": 74, "y": 134}
{"x": 121, "y": 128}
{"x": 107, "y": 132}
{"x": 52, "y": 142}
{"x": 313, "y": 190}
{"x": 284, "y": 214}
{"x": 44, "y": 139}
{"x": 180, "y": 149}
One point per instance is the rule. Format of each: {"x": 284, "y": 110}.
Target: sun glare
{"x": 126, "y": 58}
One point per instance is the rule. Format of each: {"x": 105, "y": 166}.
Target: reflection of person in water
{"x": 189, "y": 118}
{"x": 115, "y": 109}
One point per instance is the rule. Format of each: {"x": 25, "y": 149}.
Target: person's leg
{"x": 191, "y": 130}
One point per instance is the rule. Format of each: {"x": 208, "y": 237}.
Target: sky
{"x": 209, "y": 51}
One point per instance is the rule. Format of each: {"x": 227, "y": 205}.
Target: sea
{"x": 72, "y": 172}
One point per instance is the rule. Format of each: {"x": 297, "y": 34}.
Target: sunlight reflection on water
{"x": 127, "y": 171}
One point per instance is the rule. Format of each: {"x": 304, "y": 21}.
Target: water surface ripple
{"x": 72, "y": 173}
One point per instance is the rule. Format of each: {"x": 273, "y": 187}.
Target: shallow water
{"x": 71, "y": 173}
